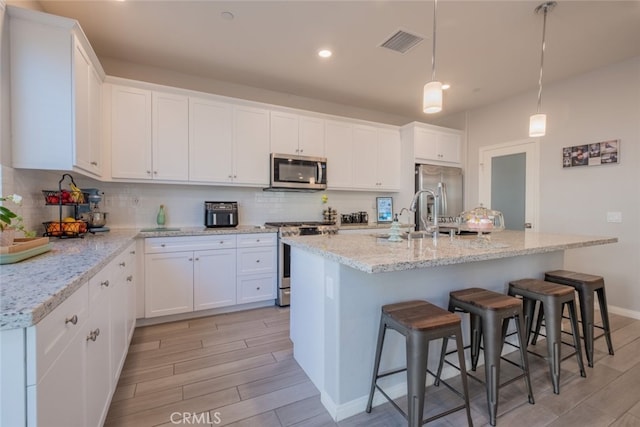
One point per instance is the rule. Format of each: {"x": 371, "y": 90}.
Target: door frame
{"x": 531, "y": 148}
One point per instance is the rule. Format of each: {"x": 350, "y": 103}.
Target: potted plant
{"x": 10, "y": 221}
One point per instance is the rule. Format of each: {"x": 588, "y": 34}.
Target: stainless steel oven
{"x": 284, "y": 251}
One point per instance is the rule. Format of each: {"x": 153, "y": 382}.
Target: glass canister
{"x": 481, "y": 220}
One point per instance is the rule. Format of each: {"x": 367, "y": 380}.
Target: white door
{"x": 490, "y": 156}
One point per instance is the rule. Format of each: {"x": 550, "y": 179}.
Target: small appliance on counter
{"x": 220, "y": 214}
{"x": 96, "y": 220}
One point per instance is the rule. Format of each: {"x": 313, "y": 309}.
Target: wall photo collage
{"x": 597, "y": 153}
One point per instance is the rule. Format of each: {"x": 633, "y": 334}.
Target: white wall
{"x": 598, "y": 106}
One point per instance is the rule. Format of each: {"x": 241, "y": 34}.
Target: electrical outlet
{"x": 614, "y": 216}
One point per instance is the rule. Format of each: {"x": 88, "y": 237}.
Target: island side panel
{"x": 358, "y": 296}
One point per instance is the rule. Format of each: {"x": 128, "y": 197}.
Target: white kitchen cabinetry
{"x": 339, "y": 151}
{"x": 55, "y": 84}
{"x": 433, "y": 143}
{"x": 149, "y": 135}
{"x": 193, "y": 273}
{"x": 257, "y": 260}
{"x": 297, "y": 135}
{"x": 228, "y": 144}
{"x": 363, "y": 157}
{"x": 67, "y": 365}
{"x": 183, "y": 273}
{"x": 251, "y": 146}
{"x": 210, "y": 140}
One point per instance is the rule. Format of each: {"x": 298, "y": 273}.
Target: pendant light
{"x": 538, "y": 121}
{"x": 432, "y": 94}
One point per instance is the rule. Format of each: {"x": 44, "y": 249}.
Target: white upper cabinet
{"x": 170, "y": 136}
{"x": 55, "y": 94}
{"x": 149, "y": 135}
{"x": 433, "y": 144}
{"x": 210, "y": 140}
{"x": 339, "y": 153}
{"x": 297, "y": 135}
{"x": 130, "y": 133}
{"x": 362, "y": 157}
{"x": 251, "y": 146}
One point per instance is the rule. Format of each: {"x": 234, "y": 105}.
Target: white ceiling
{"x": 487, "y": 50}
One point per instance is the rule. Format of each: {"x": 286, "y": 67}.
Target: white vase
{"x": 6, "y": 236}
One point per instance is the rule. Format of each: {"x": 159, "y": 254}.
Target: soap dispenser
{"x": 395, "y": 232}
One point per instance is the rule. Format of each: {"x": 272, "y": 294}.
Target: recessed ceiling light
{"x": 324, "y": 53}
{"x": 445, "y": 86}
{"x": 227, "y": 16}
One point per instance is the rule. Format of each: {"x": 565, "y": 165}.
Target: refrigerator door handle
{"x": 443, "y": 199}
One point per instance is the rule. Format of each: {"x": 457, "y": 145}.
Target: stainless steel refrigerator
{"x": 428, "y": 177}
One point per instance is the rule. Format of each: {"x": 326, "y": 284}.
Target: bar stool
{"x": 420, "y": 322}
{"x": 586, "y": 285}
{"x": 489, "y": 311}
{"x": 553, "y": 297}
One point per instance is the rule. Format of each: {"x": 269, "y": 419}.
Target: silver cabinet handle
{"x": 122, "y": 264}
{"x": 258, "y": 288}
{"x": 94, "y": 163}
{"x": 197, "y": 259}
{"x": 129, "y": 278}
{"x": 162, "y": 245}
{"x": 105, "y": 283}
{"x": 148, "y": 172}
{"x": 93, "y": 335}
{"x": 73, "y": 320}
{"x": 132, "y": 252}
{"x": 155, "y": 172}
{"x": 190, "y": 259}
{"x": 257, "y": 260}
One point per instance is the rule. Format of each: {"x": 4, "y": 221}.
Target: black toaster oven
{"x": 220, "y": 214}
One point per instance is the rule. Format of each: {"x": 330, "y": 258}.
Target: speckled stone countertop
{"x": 373, "y": 254}
{"x": 31, "y": 289}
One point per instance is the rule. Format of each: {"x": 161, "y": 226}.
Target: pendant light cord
{"x": 433, "y": 56}
{"x": 545, "y": 7}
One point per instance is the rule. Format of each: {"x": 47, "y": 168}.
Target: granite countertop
{"x": 31, "y": 289}
{"x": 375, "y": 254}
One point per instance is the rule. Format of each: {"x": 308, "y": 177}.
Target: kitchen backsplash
{"x": 136, "y": 205}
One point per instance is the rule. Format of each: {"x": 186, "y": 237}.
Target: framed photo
{"x": 597, "y": 153}
{"x": 384, "y": 206}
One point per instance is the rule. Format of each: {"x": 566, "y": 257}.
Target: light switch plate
{"x": 614, "y": 216}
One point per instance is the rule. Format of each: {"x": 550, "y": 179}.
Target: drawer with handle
{"x": 156, "y": 245}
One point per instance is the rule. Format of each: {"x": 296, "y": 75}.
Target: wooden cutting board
{"x": 23, "y": 244}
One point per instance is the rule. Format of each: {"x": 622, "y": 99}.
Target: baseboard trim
{"x": 634, "y": 314}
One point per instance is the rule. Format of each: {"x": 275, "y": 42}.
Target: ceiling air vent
{"x": 401, "y": 41}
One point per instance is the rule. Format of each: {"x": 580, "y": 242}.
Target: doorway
{"x": 509, "y": 180}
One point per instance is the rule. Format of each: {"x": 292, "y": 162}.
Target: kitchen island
{"x": 340, "y": 282}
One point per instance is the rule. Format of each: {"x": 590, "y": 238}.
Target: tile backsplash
{"x": 136, "y": 204}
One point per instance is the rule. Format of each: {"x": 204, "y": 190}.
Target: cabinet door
{"x": 339, "y": 151}
{"x": 389, "y": 159}
{"x": 259, "y": 287}
{"x": 284, "y": 133}
{"x": 170, "y": 135}
{"x": 117, "y": 325}
{"x": 168, "y": 283}
{"x": 210, "y": 141}
{"x": 311, "y": 139}
{"x": 251, "y": 146}
{"x": 130, "y": 133}
{"x": 365, "y": 150}
{"x": 88, "y": 104}
{"x": 214, "y": 278}
{"x": 449, "y": 147}
{"x": 425, "y": 144}
{"x": 98, "y": 367}
{"x": 82, "y": 135}
{"x": 60, "y": 396}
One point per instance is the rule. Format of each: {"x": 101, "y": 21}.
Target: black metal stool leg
{"x": 534, "y": 339}
{"x": 417, "y": 355}
{"x": 553, "y": 312}
{"x": 604, "y": 313}
{"x": 585, "y": 296}
{"x": 463, "y": 374}
{"x": 476, "y": 335}
{"x": 376, "y": 363}
{"x": 492, "y": 332}
{"x": 523, "y": 356}
{"x": 573, "y": 318}
{"x": 443, "y": 353}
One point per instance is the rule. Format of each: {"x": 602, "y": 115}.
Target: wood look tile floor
{"x": 238, "y": 370}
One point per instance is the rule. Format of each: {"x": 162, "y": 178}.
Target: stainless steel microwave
{"x": 298, "y": 172}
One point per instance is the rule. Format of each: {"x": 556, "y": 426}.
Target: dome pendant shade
{"x": 537, "y": 125}
{"x": 432, "y": 97}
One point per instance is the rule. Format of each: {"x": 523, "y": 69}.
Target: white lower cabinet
{"x": 193, "y": 273}
{"x": 73, "y": 357}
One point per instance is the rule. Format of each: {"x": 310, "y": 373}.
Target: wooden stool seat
{"x": 490, "y": 313}
{"x": 419, "y": 322}
{"x": 587, "y": 285}
{"x": 420, "y": 315}
{"x": 552, "y": 297}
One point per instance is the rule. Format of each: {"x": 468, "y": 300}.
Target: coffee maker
{"x": 96, "y": 220}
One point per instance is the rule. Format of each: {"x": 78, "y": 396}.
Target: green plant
{"x": 9, "y": 219}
